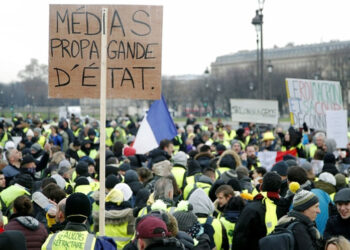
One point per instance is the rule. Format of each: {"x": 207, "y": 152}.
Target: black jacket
{"x": 166, "y": 244}
{"x": 250, "y": 227}
{"x": 337, "y": 226}
{"x": 306, "y": 235}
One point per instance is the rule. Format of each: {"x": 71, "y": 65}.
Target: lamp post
{"x": 258, "y": 23}
{"x": 269, "y": 70}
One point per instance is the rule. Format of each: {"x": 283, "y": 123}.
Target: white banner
{"x": 310, "y": 99}
{"x": 252, "y": 110}
{"x": 337, "y": 127}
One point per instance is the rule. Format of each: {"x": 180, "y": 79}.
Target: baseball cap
{"x": 151, "y": 227}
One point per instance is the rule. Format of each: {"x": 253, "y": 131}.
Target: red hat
{"x": 151, "y": 227}
{"x": 129, "y": 151}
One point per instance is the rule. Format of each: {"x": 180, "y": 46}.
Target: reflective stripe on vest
{"x": 270, "y": 214}
{"x": 73, "y": 240}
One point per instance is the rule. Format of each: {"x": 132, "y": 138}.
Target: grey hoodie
{"x": 201, "y": 202}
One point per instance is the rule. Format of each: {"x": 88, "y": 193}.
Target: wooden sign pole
{"x": 103, "y": 84}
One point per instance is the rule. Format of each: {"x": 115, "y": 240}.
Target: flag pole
{"x": 103, "y": 83}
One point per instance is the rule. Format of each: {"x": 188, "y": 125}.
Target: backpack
{"x": 282, "y": 237}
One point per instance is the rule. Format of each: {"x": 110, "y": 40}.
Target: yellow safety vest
{"x": 9, "y": 194}
{"x": 119, "y": 233}
{"x": 92, "y": 154}
{"x": 217, "y": 226}
{"x": 4, "y": 139}
{"x": 76, "y": 132}
{"x": 230, "y": 227}
{"x": 191, "y": 187}
{"x": 109, "y": 132}
{"x": 72, "y": 240}
{"x": 42, "y": 141}
{"x": 270, "y": 215}
{"x": 332, "y": 196}
{"x": 220, "y": 171}
{"x": 85, "y": 189}
{"x": 231, "y": 136}
{"x": 179, "y": 174}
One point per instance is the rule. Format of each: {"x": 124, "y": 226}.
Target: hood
{"x": 204, "y": 159}
{"x": 328, "y": 188}
{"x": 117, "y": 217}
{"x": 201, "y": 202}
{"x": 28, "y": 222}
{"x": 227, "y": 157}
{"x": 158, "y": 155}
{"x": 205, "y": 179}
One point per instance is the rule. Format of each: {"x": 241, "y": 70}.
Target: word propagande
{"x": 121, "y": 50}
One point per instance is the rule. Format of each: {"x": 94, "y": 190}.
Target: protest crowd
{"x": 209, "y": 187}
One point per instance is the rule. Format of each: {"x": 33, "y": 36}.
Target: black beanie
{"x": 78, "y": 208}
{"x": 111, "y": 181}
{"x": 329, "y": 158}
{"x": 82, "y": 168}
{"x": 281, "y": 168}
{"x": 24, "y": 180}
{"x": 81, "y": 181}
{"x": 27, "y": 159}
{"x": 125, "y": 167}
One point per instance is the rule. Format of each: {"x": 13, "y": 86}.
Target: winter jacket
{"x": 330, "y": 168}
{"x": 204, "y": 159}
{"x": 34, "y": 232}
{"x": 118, "y": 223}
{"x": 250, "y": 227}
{"x": 306, "y": 235}
{"x": 337, "y": 226}
{"x": 12, "y": 240}
{"x": 166, "y": 244}
{"x": 325, "y": 203}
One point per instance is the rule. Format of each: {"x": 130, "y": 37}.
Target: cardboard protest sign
{"x": 310, "y": 99}
{"x": 134, "y": 50}
{"x": 252, "y": 110}
{"x": 337, "y": 127}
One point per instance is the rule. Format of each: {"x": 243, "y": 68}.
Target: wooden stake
{"x": 103, "y": 84}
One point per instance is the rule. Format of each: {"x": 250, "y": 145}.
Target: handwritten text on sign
{"x": 134, "y": 49}
{"x": 310, "y": 99}
{"x": 251, "y": 110}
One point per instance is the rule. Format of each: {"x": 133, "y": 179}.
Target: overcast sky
{"x": 194, "y": 32}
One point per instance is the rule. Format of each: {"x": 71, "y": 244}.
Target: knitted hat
{"x": 327, "y": 177}
{"x": 151, "y": 227}
{"x": 185, "y": 220}
{"x": 307, "y": 166}
{"x": 27, "y": 159}
{"x": 111, "y": 181}
{"x": 291, "y": 163}
{"x": 82, "y": 168}
{"x": 340, "y": 180}
{"x": 37, "y": 130}
{"x": 35, "y": 147}
{"x": 281, "y": 168}
{"x": 64, "y": 163}
{"x": 131, "y": 176}
{"x": 304, "y": 199}
{"x": 342, "y": 195}
{"x": 329, "y": 158}
{"x": 180, "y": 158}
{"x": 9, "y": 145}
{"x": 25, "y": 180}
{"x": 81, "y": 180}
{"x": 30, "y": 133}
{"x": 124, "y": 167}
{"x": 78, "y": 207}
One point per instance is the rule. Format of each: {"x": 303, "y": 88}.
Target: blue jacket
{"x": 325, "y": 200}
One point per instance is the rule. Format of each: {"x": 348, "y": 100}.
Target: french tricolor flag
{"x": 155, "y": 126}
